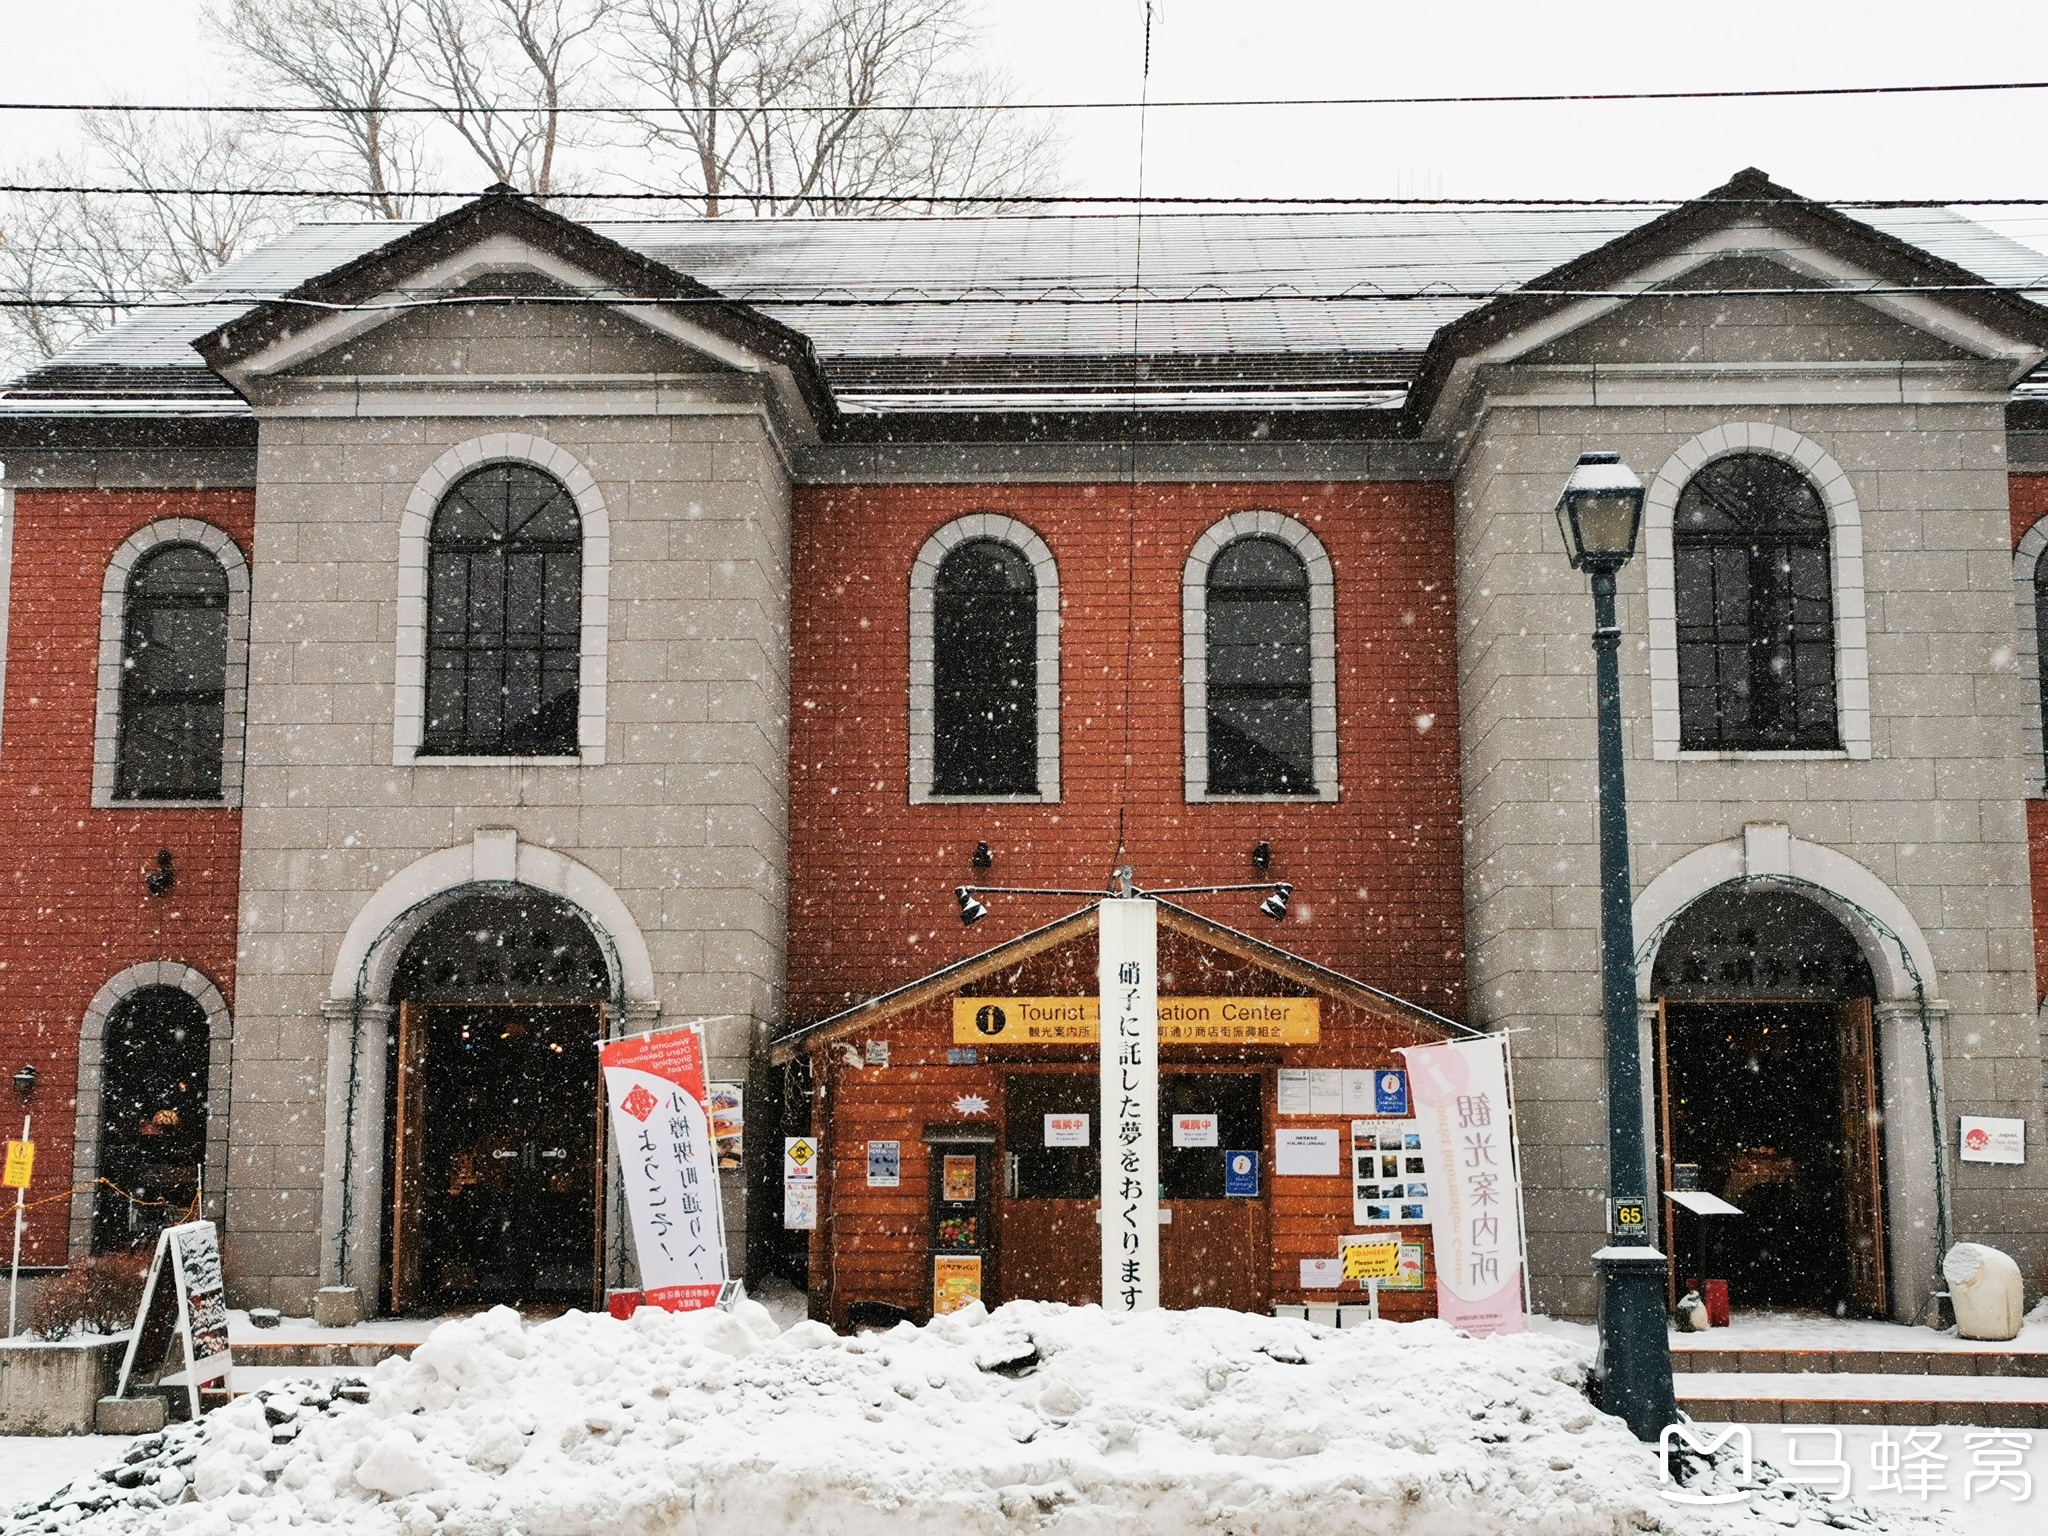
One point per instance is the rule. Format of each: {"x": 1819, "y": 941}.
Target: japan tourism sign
{"x": 1459, "y": 1094}
{"x": 668, "y": 1164}
{"x": 1129, "y": 978}
{"x": 1182, "y": 1020}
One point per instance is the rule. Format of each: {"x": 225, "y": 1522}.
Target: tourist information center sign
{"x": 1182, "y": 1020}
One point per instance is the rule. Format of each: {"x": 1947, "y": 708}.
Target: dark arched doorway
{"x": 494, "y": 1112}
{"x": 1767, "y": 1096}
{"x": 153, "y": 1066}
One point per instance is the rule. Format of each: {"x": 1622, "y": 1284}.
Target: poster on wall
{"x": 1991, "y": 1139}
{"x": 1390, "y": 1174}
{"x": 183, "y": 1303}
{"x": 885, "y": 1164}
{"x": 799, "y": 1184}
{"x": 956, "y": 1281}
{"x": 660, "y": 1110}
{"x": 1459, "y": 1091}
{"x": 728, "y": 1122}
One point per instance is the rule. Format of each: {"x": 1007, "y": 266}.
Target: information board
{"x": 184, "y": 1304}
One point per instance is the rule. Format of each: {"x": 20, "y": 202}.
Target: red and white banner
{"x": 1459, "y": 1096}
{"x": 660, "y": 1108}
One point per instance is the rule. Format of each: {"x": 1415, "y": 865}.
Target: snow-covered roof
{"x": 1250, "y": 293}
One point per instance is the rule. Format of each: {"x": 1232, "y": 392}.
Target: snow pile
{"x": 1035, "y": 1417}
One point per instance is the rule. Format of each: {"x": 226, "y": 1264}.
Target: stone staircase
{"x": 1918, "y": 1377}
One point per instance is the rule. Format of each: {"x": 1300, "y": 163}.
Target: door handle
{"x": 504, "y": 1154}
{"x": 556, "y": 1152}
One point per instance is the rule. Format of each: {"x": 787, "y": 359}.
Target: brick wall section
{"x": 1377, "y": 874}
{"x": 73, "y": 910}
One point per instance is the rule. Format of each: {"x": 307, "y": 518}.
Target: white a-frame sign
{"x": 182, "y": 1302}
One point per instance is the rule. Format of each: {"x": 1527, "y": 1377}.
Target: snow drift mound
{"x": 1035, "y": 1417}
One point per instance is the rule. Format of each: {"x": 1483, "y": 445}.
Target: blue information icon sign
{"x": 1241, "y": 1174}
{"x": 1389, "y": 1092}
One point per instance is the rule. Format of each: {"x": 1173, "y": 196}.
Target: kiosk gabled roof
{"x": 1232, "y": 941}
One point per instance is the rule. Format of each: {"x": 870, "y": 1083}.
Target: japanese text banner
{"x": 1459, "y": 1096}
{"x": 667, "y": 1160}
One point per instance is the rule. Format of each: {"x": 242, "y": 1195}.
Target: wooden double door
{"x": 496, "y": 1156}
{"x": 1214, "y": 1247}
{"x": 1774, "y": 1106}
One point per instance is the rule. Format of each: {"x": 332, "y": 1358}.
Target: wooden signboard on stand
{"x": 183, "y": 1303}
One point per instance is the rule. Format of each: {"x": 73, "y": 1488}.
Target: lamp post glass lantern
{"x": 1599, "y": 513}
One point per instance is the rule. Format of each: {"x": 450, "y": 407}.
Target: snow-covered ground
{"x": 1038, "y": 1417}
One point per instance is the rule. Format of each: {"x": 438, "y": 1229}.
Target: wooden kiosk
{"x": 955, "y": 1117}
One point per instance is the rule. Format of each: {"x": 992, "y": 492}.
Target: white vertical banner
{"x": 1459, "y": 1093}
{"x": 1128, "y": 976}
{"x": 667, "y": 1160}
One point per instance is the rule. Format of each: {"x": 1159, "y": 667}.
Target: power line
{"x": 1007, "y": 200}
{"x": 912, "y": 298}
{"x": 1518, "y": 98}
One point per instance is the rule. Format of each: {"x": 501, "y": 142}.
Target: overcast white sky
{"x": 1952, "y": 147}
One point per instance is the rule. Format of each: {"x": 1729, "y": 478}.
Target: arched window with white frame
{"x": 984, "y": 664}
{"x": 173, "y": 669}
{"x": 1259, "y": 662}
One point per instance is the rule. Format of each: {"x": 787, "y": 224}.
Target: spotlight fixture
{"x": 1275, "y": 905}
{"x": 160, "y": 880}
{"x": 1262, "y": 856}
{"x": 971, "y": 911}
{"x": 983, "y": 858}
{"x": 25, "y": 1082}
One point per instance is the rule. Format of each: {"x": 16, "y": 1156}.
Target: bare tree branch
{"x": 720, "y": 66}
{"x": 499, "y": 73}
{"x": 352, "y": 58}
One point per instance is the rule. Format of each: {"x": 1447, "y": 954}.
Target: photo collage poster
{"x": 1390, "y": 1184}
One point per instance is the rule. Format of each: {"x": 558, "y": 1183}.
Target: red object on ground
{"x": 622, "y": 1304}
{"x": 1716, "y": 1297}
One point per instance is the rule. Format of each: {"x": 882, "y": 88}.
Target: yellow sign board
{"x": 1372, "y": 1261}
{"x": 21, "y": 1165}
{"x": 1182, "y": 1020}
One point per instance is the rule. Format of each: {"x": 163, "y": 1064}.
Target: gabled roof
{"x": 386, "y": 268}
{"x": 1748, "y": 196}
{"x": 1242, "y": 946}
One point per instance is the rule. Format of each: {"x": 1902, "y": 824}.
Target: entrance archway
{"x": 154, "y": 1066}
{"x": 494, "y": 1142}
{"x": 1767, "y": 1096}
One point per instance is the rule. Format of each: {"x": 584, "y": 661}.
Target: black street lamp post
{"x": 1599, "y": 513}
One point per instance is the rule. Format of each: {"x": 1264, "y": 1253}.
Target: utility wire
{"x": 1010, "y": 200}
{"x": 1517, "y": 98}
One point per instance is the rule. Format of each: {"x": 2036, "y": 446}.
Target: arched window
{"x": 1755, "y": 608}
{"x": 985, "y": 672}
{"x": 504, "y": 617}
{"x": 1261, "y": 720}
{"x": 153, "y": 1073}
{"x": 2041, "y": 646}
{"x": 174, "y": 663}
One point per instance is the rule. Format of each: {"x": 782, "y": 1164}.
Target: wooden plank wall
{"x": 871, "y": 1243}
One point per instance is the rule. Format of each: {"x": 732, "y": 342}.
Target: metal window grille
{"x": 1261, "y": 723}
{"x": 174, "y": 659}
{"x": 985, "y": 672}
{"x": 504, "y": 617}
{"x": 1756, "y": 613}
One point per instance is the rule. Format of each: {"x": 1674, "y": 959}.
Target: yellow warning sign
{"x": 1182, "y": 1020}
{"x": 21, "y": 1165}
{"x": 1372, "y": 1261}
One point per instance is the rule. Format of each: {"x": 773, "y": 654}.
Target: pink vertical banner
{"x": 1459, "y": 1096}
{"x": 667, "y": 1161}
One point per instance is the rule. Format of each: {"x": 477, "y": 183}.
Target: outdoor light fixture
{"x": 1262, "y": 856}
{"x": 972, "y": 911}
{"x": 983, "y": 857}
{"x": 25, "y": 1082}
{"x": 163, "y": 877}
{"x": 1599, "y": 513}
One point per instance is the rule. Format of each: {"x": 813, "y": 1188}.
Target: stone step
{"x": 1863, "y": 1362}
{"x": 295, "y": 1352}
{"x": 1869, "y": 1398}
